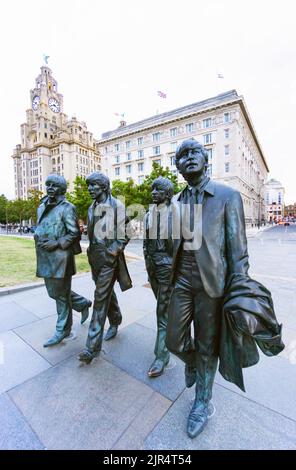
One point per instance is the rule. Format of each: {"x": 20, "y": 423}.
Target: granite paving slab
{"x": 271, "y": 382}
{"x": 72, "y": 406}
{"x": 238, "y": 423}
{"x": 133, "y": 351}
{"x": 13, "y": 315}
{"x": 37, "y": 333}
{"x": 15, "y": 433}
{"x": 18, "y": 361}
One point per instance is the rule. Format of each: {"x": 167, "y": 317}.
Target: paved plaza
{"x": 48, "y": 400}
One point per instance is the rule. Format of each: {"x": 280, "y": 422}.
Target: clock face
{"x": 35, "y": 102}
{"x": 54, "y": 105}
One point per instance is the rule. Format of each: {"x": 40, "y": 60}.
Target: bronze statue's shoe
{"x": 56, "y": 339}
{"x": 85, "y": 312}
{"x": 86, "y": 356}
{"x": 156, "y": 368}
{"x": 111, "y": 332}
{"x": 190, "y": 375}
{"x": 197, "y": 419}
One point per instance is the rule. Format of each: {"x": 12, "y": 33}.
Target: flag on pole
{"x": 220, "y": 75}
{"x": 161, "y": 94}
{"x": 119, "y": 114}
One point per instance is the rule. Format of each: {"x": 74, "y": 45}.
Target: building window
{"x": 141, "y": 153}
{"x": 173, "y": 146}
{"x": 226, "y": 117}
{"x": 158, "y": 162}
{"x": 227, "y": 167}
{"x": 117, "y": 158}
{"x": 117, "y": 171}
{"x": 128, "y": 144}
{"x": 210, "y": 154}
{"x": 172, "y": 160}
{"x": 189, "y": 127}
{"x": 156, "y": 137}
{"x": 174, "y": 132}
{"x": 207, "y": 138}
{"x": 128, "y": 156}
{"x": 128, "y": 169}
{"x": 140, "y": 179}
{"x": 209, "y": 170}
{"x": 207, "y": 123}
{"x": 156, "y": 150}
{"x": 226, "y": 149}
{"x": 116, "y": 147}
{"x": 140, "y": 166}
{"x": 45, "y": 125}
{"x": 45, "y": 135}
{"x": 140, "y": 141}
{"x": 226, "y": 133}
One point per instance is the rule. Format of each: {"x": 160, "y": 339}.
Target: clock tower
{"x": 50, "y": 141}
{"x": 45, "y": 96}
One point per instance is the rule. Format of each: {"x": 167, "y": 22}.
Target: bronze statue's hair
{"x": 165, "y": 184}
{"x": 59, "y": 181}
{"x": 99, "y": 178}
{"x": 189, "y": 144}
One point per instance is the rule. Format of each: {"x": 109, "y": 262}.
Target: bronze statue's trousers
{"x": 190, "y": 303}
{"x": 160, "y": 283}
{"x": 105, "y": 300}
{"x": 66, "y": 299}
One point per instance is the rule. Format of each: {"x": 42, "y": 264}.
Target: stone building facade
{"x": 221, "y": 123}
{"x": 50, "y": 141}
{"x": 274, "y": 200}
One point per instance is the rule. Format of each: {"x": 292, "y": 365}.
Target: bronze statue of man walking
{"x": 158, "y": 251}
{"x": 57, "y": 241}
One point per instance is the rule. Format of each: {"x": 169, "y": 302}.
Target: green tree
{"x": 3, "y": 208}
{"x": 145, "y": 188}
{"x": 80, "y": 197}
{"x": 34, "y": 197}
{"x": 127, "y": 190}
{"x": 19, "y": 210}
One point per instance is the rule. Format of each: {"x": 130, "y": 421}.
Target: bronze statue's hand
{"x": 49, "y": 245}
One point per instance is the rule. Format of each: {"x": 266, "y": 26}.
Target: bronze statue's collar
{"x": 58, "y": 199}
{"x": 209, "y": 188}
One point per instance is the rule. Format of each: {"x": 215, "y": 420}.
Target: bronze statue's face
{"x": 96, "y": 190}
{"x": 52, "y": 189}
{"x": 192, "y": 161}
{"x": 159, "y": 194}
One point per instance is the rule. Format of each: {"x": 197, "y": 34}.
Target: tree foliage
{"x": 3, "y": 208}
{"x": 141, "y": 194}
{"x": 80, "y": 197}
{"x": 34, "y": 197}
{"x": 145, "y": 187}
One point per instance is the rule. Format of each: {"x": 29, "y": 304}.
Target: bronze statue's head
{"x": 191, "y": 158}
{"x": 98, "y": 185}
{"x": 162, "y": 190}
{"x": 55, "y": 185}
